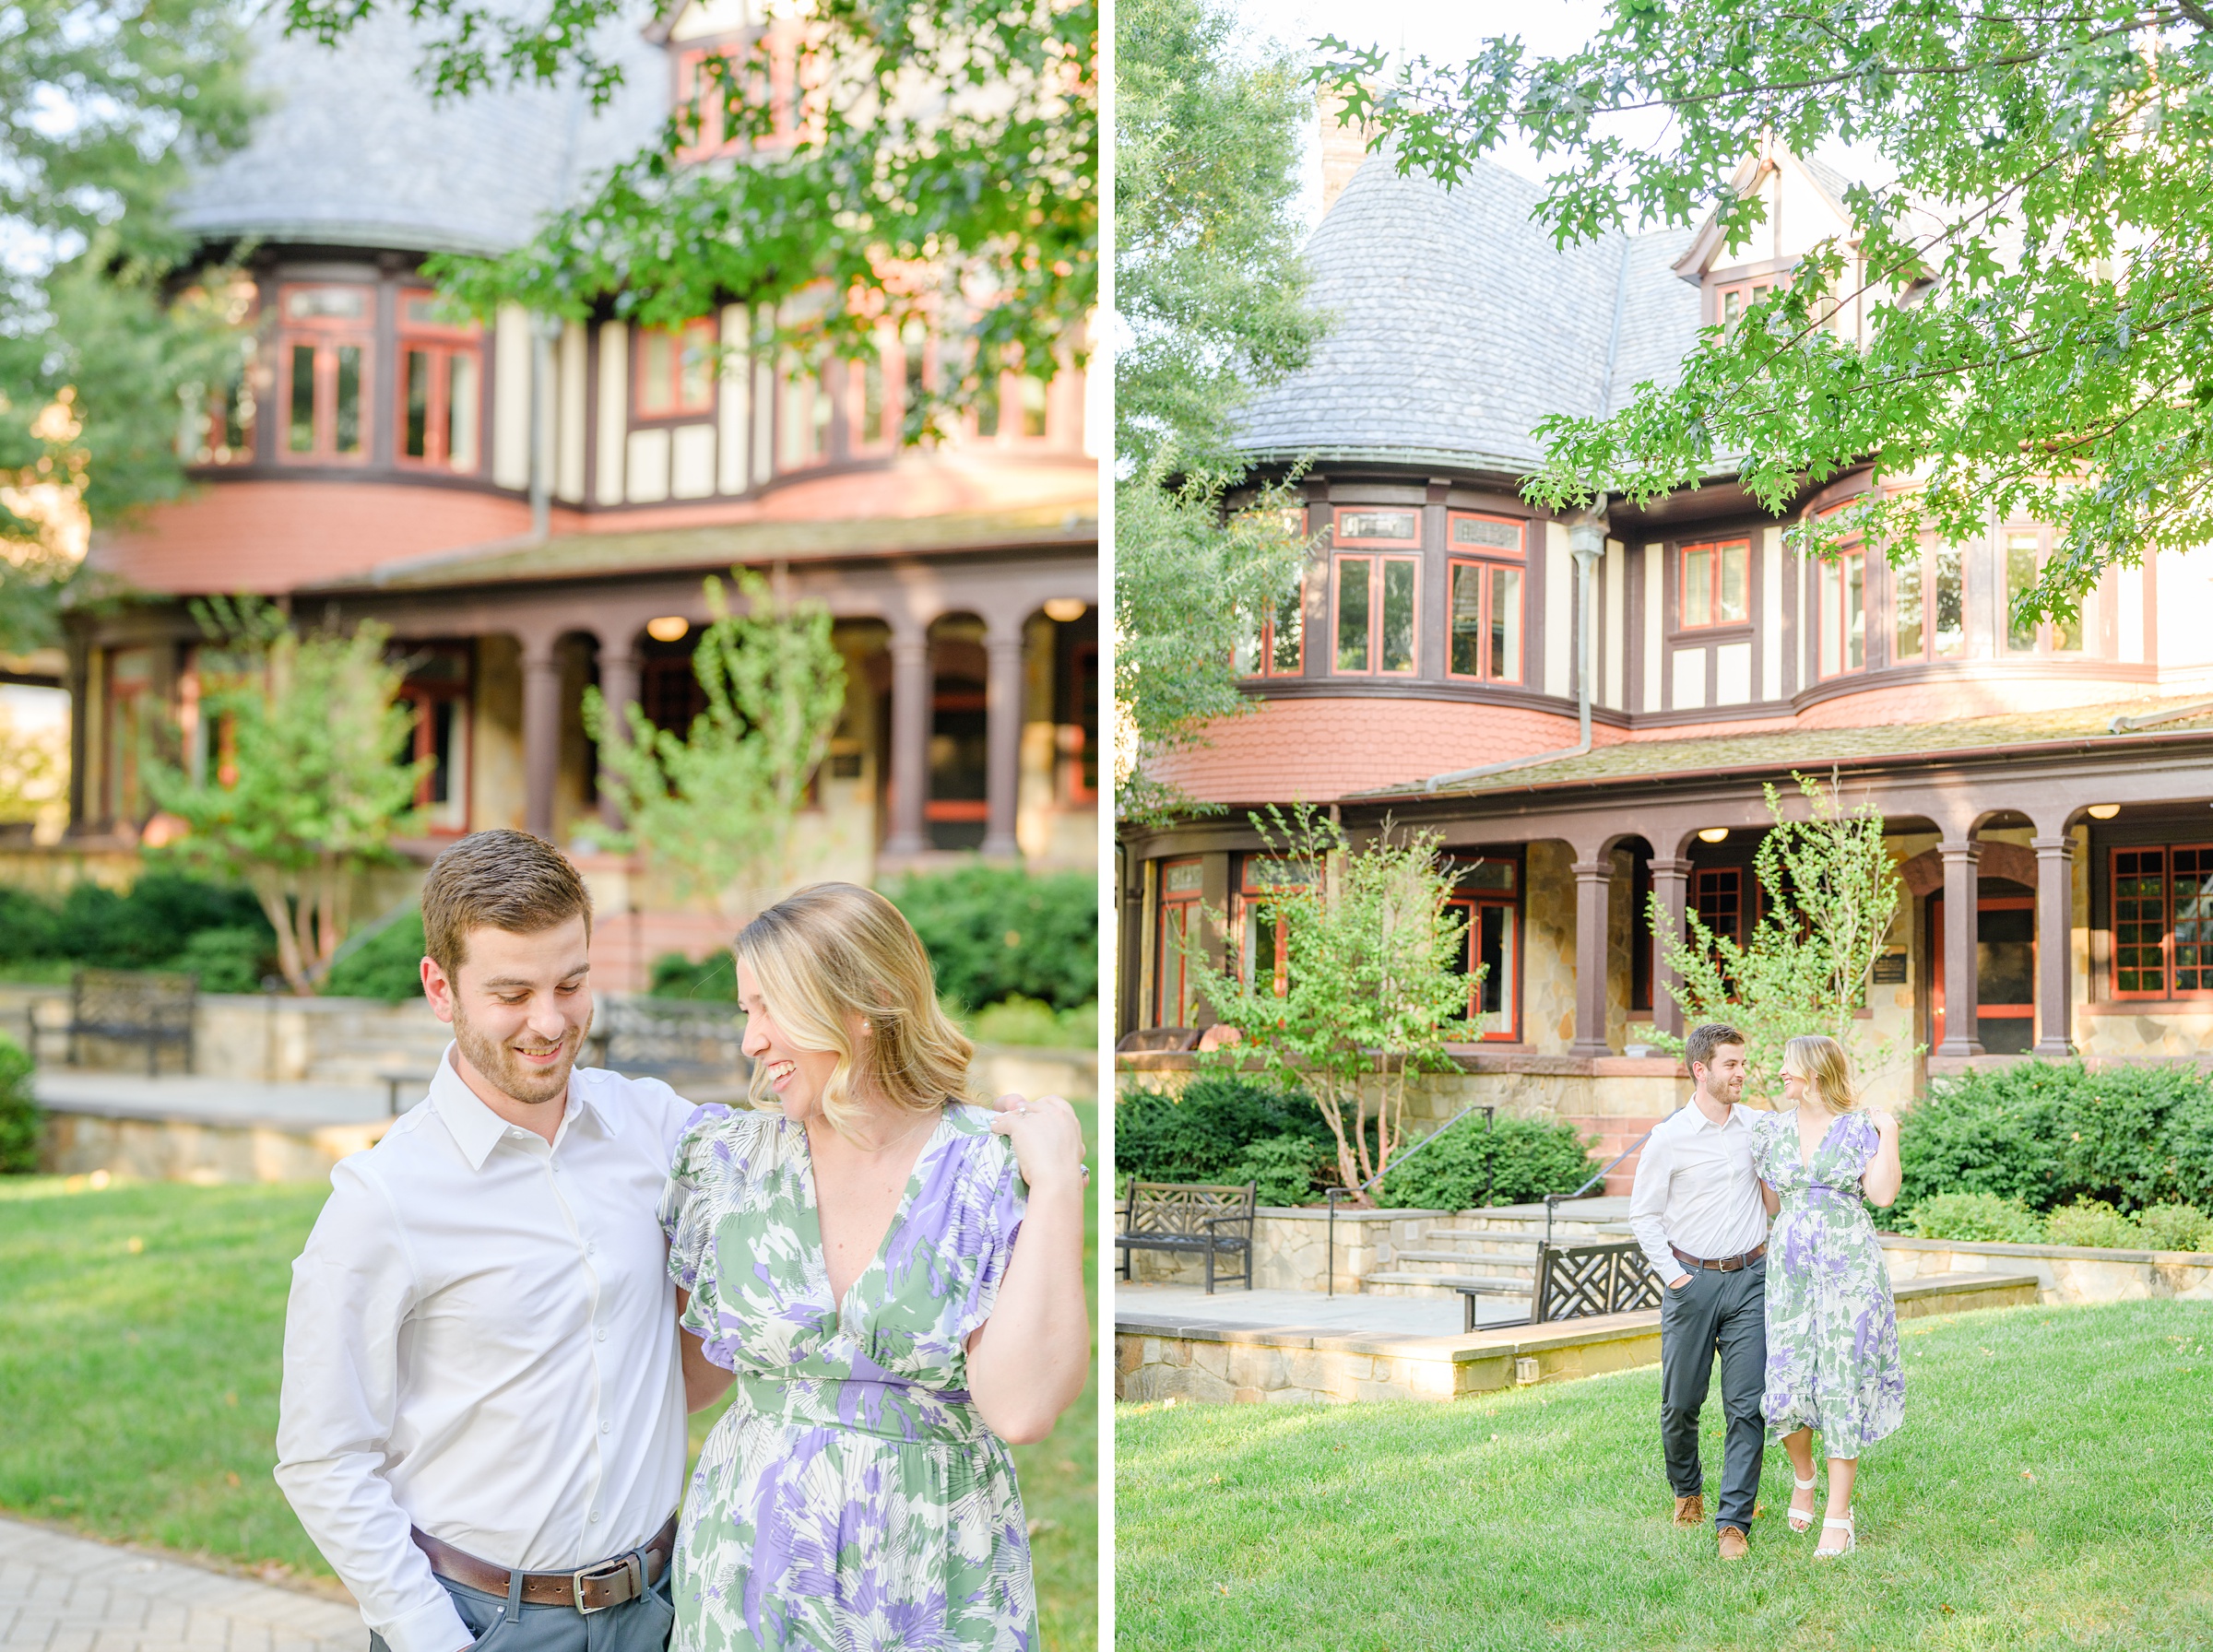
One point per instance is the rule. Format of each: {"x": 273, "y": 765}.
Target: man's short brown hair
{"x": 1697, "y": 1049}
{"x": 499, "y": 879}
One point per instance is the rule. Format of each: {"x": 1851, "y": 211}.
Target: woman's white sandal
{"x": 1799, "y": 1521}
{"x": 1850, "y": 1538}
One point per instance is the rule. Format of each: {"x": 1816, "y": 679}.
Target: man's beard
{"x": 505, "y": 1070}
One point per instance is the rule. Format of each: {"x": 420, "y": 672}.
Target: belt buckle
{"x": 1729, "y": 1264}
{"x": 603, "y": 1571}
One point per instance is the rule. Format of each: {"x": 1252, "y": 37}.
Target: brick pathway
{"x": 65, "y": 1594}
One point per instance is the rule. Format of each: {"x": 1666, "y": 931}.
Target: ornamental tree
{"x": 714, "y": 806}
{"x": 1210, "y": 301}
{"x": 301, "y": 791}
{"x": 1829, "y": 894}
{"x": 2034, "y": 244}
{"x": 1373, "y": 985}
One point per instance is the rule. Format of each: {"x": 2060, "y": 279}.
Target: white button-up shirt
{"x": 1695, "y": 1186}
{"x": 482, "y": 1343}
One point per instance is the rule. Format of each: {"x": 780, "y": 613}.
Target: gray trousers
{"x": 508, "y": 1625}
{"x": 1725, "y": 1313}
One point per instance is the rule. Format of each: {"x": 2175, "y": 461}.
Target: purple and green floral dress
{"x": 1833, "y": 1363}
{"x": 850, "y": 1497}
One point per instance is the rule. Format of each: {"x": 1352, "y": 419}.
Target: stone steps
{"x": 1444, "y": 1286}
{"x": 1457, "y": 1263}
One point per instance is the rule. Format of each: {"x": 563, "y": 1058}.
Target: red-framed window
{"x": 874, "y": 396}
{"x": 436, "y": 689}
{"x": 1840, "y": 613}
{"x": 132, "y": 709}
{"x": 441, "y": 399}
{"x": 1488, "y": 900}
{"x": 2005, "y": 972}
{"x": 675, "y": 370}
{"x": 2163, "y": 922}
{"x": 2025, "y": 549}
{"x": 1713, "y": 585}
{"x": 1928, "y": 605}
{"x": 1717, "y": 896}
{"x": 1376, "y": 598}
{"x": 1487, "y": 598}
{"x": 1376, "y": 526}
{"x": 1175, "y": 993}
{"x": 327, "y": 334}
{"x": 1277, "y": 646}
{"x": 1264, "y": 945}
{"x": 766, "y": 65}
{"x": 1731, "y": 299}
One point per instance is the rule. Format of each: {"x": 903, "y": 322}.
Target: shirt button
{"x": 605, "y": 1426}
{"x": 602, "y": 1333}
{"x": 595, "y": 1517}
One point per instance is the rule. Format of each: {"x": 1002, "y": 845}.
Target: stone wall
{"x": 1291, "y": 1250}
{"x": 2064, "y": 1273}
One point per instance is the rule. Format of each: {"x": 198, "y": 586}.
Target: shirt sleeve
{"x": 1648, "y": 1207}
{"x": 353, "y": 1287}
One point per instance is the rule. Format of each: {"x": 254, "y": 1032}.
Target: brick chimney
{"x": 1343, "y": 148}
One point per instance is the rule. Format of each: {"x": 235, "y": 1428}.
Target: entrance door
{"x": 2005, "y": 972}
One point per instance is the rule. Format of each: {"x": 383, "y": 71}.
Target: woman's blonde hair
{"x": 1820, "y": 1059}
{"x": 835, "y": 953}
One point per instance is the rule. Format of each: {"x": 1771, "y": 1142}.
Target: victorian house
{"x": 2046, "y": 787}
{"x": 533, "y": 509}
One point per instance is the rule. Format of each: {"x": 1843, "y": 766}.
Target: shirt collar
{"x": 1699, "y": 1121}
{"x": 476, "y": 1129}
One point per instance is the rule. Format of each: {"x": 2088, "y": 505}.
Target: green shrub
{"x": 148, "y": 928}
{"x": 2175, "y": 1227}
{"x": 2048, "y": 1133}
{"x": 386, "y": 965}
{"x": 996, "y": 932}
{"x": 1979, "y": 1217}
{"x": 230, "y": 959}
{"x": 1204, "y": 1134}
{"x": 20, "y": 1119}
{"x": 1518, "y": 1158}
{"x": 1285, "y": 1169}
{"x": 676, "y": 976}
{"x": 2093, "y": 1221}
{"x": 1033, "y": 1021}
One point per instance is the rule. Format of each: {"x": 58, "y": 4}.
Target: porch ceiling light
{"x": 1713, "y": 834}
{"x": 2104, "y": 811}
{"x": 668, "y": 627}
{"x": 1065, "y": 610}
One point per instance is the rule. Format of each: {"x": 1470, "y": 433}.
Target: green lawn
{"x": 144, "y": 1326}
{"x": 2049, "y": 1489}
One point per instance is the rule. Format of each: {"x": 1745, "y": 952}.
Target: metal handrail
{"x": 1490, "y": 1181}
{"x": 1553, "y": 1200}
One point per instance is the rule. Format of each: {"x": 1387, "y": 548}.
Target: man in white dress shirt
{"x": 483, "y": 1424}
{"x": 1696, "y": 1209}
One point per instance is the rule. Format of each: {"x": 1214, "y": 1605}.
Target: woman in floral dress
{"x": 891, "y": 1280}
{"x": 1833, "y": 1365}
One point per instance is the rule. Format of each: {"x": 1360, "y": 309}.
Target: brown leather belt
{"x": 1719, "y": 1264}
{"x": 588, "y": 1588}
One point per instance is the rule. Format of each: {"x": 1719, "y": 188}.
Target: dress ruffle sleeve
{"x": 686, "y": 1218}
{"x": 996, "y": 1199}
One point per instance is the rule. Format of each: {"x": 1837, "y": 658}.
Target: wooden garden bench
{"x": 133, "y": 1006}
{"x": 1215, "y": 1219}
{"x": 668, "y": 1038}
{"x": 1576, "y": 1282}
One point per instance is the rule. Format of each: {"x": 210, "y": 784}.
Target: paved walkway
{"x": 1308, "y": 1310}
{"x": 65, "y": 1594}
{"x": 215, "y": 1101}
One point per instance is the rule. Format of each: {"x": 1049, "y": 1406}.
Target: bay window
{"x": 2027, "y": 550}
{"x": 324, "y": 349}
{"x": 1843, "y": 606}
{"x": 1277, "y": 646}
{"x": 1928, "y": 605}
{"x": 441, "y": 384}
{"x": 1376, "y": 605}
{"x": 675, "y": 370}
{"x": 1485, "y": 598}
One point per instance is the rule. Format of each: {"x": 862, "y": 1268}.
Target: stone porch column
{"x": 1002, "y": 729}
{"x": 2055, "y": 945}
{"x": 1594, "y": 881}
{"x": 1961, "y": 1037}
{"x": 619, "y": 687}
{"x": 1671, "y": 883}
{"x": 910, "y": 741}
{"x": 541, "y": 734}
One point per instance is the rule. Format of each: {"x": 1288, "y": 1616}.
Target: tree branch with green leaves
{"x": 2036, "y": 263}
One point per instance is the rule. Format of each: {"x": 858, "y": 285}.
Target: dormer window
{"x": 1731, "y": 299}
{"x": 1716, "y": 584}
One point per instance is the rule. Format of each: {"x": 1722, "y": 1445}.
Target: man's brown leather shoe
{"x": 1691, "y": 1510}
{"x": 1734, "y": 1546}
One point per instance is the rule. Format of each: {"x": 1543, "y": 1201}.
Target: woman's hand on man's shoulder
{"x": 1046, "y": 1138}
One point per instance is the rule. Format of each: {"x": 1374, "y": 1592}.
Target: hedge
{"x": 996, "y": 932}
{"x": 1518, "y": 1159}
{"x": 2048, "y": 1134}
{"x": 152, "y": 926}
